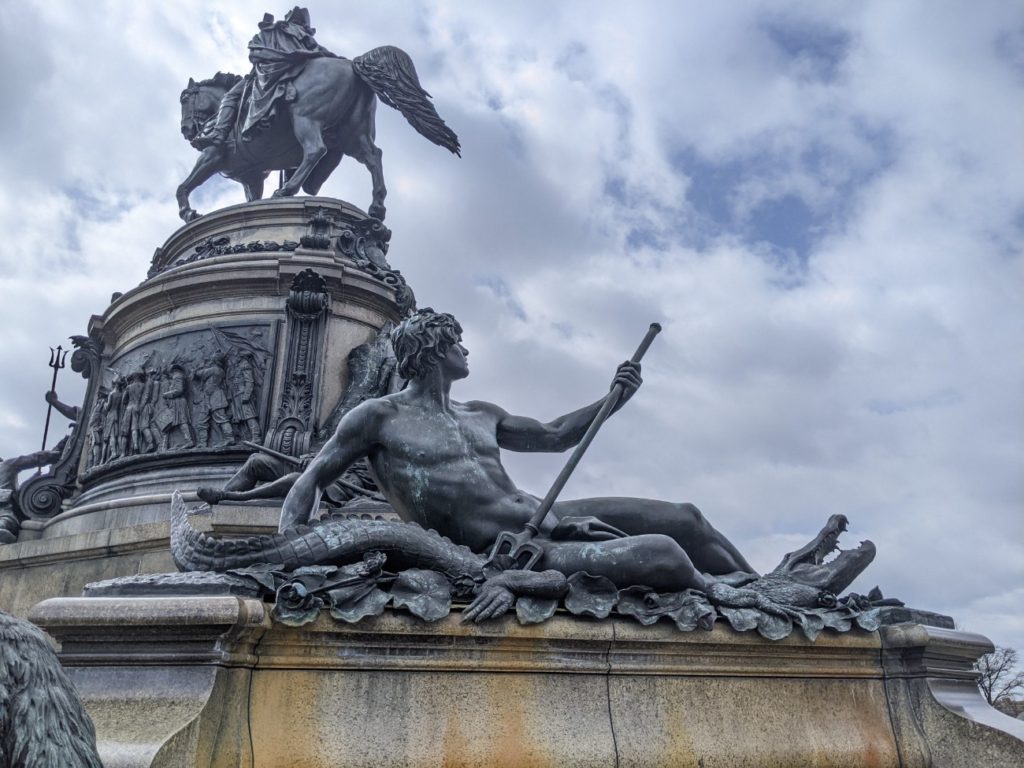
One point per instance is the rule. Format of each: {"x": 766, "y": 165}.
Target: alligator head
{"x": 808, "y": 565}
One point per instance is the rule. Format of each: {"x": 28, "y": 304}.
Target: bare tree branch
{"x": 999, "y": 679}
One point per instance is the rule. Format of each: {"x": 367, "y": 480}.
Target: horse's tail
{"x": 390, "y": 73}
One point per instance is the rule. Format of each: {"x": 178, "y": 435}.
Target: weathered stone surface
{"x": 173, "y": 584}
{"x": 937, "y": 709}
{"x": 185, "y": 703}
{"x": 202, "y": 674}
{"x": 899, "y": 614}
{"x": 31, "y": 571}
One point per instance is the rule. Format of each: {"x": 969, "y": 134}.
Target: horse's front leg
{"x": 308, "y": 134}
{"x": 207, "y": 165}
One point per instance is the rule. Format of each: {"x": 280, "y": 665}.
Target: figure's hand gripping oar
{"x": 518, "y": 545}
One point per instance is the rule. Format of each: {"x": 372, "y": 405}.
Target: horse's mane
{"x": 224, "y": 80}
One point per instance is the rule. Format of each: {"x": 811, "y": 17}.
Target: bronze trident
{"x": 57, "y": 357}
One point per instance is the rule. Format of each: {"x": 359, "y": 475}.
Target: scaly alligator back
{"x": 334, "y": 542}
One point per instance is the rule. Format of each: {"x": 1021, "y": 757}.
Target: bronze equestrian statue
{"x": 300, "y": 110}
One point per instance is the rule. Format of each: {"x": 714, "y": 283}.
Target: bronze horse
{"x": 332, "y": 116}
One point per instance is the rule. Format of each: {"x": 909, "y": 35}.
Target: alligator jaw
{"x": 808, "y": 566}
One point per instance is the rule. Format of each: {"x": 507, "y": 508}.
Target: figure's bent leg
{"x": 275, "y": 490}
{"x": 709, "y": 549}
{"x": 651, "y": 560}
{"x": 258, "y": 468}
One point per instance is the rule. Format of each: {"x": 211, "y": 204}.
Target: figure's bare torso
{"x": 442, "y": 469}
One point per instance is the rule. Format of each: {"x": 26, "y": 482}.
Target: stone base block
{"x": 211, "y": 681}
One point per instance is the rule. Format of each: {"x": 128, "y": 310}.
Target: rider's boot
{"x": 215, "y": 138}
{"x": 226, "y": 113}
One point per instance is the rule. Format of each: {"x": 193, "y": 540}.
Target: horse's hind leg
{"x": 308, "y": 133}
{"x": 253, "y": 186}
{"x": 323, "y": 169}
{"x": 367, "y": 153}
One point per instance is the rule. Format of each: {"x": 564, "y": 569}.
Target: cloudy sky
{"x": 823, "y": 204}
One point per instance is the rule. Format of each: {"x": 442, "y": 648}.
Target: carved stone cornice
{"x": 216, "y": 246}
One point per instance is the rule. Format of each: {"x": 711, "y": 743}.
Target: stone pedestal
{"x": 212, "y": 682}
{"x": 242, "y": 331}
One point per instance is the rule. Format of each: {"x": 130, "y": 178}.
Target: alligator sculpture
{"x": 339, "y": 563}
{"x": 805, "y": 578}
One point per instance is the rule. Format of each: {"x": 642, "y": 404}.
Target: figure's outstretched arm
{"x": 70, "y": 412}
{"x": 521, "y": 433}
{"x": 37, "y": 459}
{"x": 352, "y": 440}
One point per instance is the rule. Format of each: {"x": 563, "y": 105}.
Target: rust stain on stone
{"x": 505, "y": 742}
{"x": 511, "y": 732}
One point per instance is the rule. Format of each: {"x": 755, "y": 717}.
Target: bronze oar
{"x": 518, "y": 545}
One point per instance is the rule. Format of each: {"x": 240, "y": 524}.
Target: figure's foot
{"x": 210, "y": 495}
{"x": 6, "y": 537}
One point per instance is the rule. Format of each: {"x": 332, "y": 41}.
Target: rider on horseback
{"x": 278, "y": 53}
{"x": 325, "y": 107}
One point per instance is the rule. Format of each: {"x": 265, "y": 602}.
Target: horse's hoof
{"x": 282, "y": 192}
{"x": 377, "y": 211}
{"x": 190, "y": 215}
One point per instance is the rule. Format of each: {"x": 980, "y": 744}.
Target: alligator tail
{"x": 333, "y": 542}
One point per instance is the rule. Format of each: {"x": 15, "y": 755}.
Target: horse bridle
{"x": 197, "y": 123}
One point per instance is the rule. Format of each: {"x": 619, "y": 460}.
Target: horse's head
{"x": 199, "y": 101}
